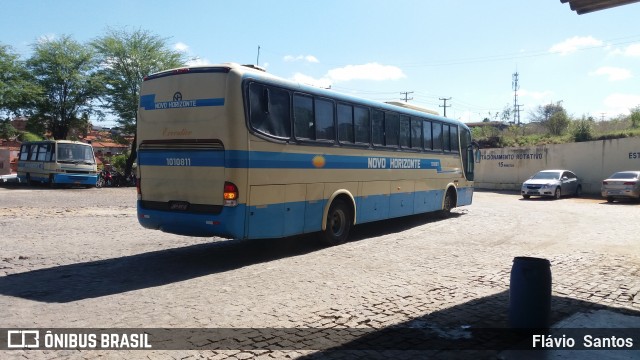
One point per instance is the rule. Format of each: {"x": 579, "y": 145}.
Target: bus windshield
{"x": 75, "y": 153}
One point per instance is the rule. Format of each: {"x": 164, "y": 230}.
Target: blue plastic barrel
{"x": 530, "y": 293}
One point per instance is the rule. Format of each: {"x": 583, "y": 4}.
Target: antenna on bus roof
{"x": 258, "y": 57}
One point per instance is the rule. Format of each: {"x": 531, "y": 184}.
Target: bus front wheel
{"x": 339, "y": 220}
{"x": 449, "y": 201}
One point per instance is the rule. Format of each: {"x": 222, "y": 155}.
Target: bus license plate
{"x": 179, "y": 205}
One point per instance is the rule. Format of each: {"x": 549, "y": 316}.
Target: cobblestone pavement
{"x": 78, "y": 258}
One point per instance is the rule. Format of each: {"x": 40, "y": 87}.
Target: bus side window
{"x": 42, "y": 152}
{"x": 325, "y": 129}
{"x": 446, "y": 138}
{"x": 405, "y": 132}
{"x": 24, "y": 152}
{"x": 33, "y": 152}
{"x": 426, "y": 135}
{"x": 455, "y": 143}
{"x": 416, "y": 133}
{"x": 345, "y": 123}
{"x": 377, "y": 127}
{"x": 269, "y": 110}
{"x": 303, "y": 123}
{"x": 391, "y": 129}
{"x": 52, "y": 155}
{"x": 437, "y": 136}
{"x": 361, "y": 124}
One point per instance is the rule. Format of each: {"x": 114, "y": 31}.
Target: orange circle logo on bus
{"x": 318, "y": 161}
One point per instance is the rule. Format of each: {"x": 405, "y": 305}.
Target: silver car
{"x": 623, "y": 184}
{"x": 555, "y": 183}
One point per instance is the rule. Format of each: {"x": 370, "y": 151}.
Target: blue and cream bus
{"x": 57, "y": 162}
{"x": 234, "y": 152}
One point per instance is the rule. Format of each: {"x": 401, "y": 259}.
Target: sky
{"x": 465, "y": 51}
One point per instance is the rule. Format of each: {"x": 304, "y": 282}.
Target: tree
{"x": 66, "y": 72}
{"x": 553, "y": 117}
{"x": 583, "y": 129}
{"x": 7, "y": 131}
{"x": 126, "y": 58}
{"x": 17, "y": 90}
{"x": 635, "y": 117}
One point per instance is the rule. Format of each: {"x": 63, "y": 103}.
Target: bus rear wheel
{"x": 339, "y": 220}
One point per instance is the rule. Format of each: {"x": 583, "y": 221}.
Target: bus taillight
{"x": 138, "y": 188}
{"x": 230, "y": 194}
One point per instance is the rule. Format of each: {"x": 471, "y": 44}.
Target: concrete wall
{"x": 5, "y": 161}
{"x": 592, "y": 161}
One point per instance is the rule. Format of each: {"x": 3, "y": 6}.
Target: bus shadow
{"x": 66, "y": 283}
{"x": 477, "y": 329}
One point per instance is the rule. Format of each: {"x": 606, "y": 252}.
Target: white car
{"x": 554, "y": 183}
{"x": 623, "y": 184}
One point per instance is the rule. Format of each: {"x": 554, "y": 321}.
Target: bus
{"x": 234, "y": 152}
{"x": 57, "y": 162}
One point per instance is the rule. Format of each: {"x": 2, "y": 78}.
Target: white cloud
{"x": 613, "y": 73}
{"x": 181, "y": 47}
{"x": 308, "y": 80}
{"x": 196, "y": 61}
{"x": 621, "y": 103}
{"x": 307, "y": 58}
{"x": 540, "y": 96}
{"x": 632, "y": 50}
{"x": 574, "y": 44}
{"x": 370, "y": 71}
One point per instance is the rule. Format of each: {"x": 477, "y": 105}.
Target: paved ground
{"x": 78, "y": 258}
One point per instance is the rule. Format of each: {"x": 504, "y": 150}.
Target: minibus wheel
{"x": 339, "y": 220}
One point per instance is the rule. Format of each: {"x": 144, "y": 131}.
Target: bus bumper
{"x": 228, "y": 224}
{"x": 77, "y": 179}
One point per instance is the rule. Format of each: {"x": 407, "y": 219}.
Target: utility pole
{"x": 406, "y": 94}
{"x": 516, "y": 108}
{"x": 602, "y": 116}
{"x": 445, "y": 106}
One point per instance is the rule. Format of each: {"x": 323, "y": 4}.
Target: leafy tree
{"x": 635, "y": 117}
{"x": 126, "y": 58}
{"x": 7, "y": 131}
{"x": 17, "y": 90}
{"x": 583, "y": 129}
{"x": 119, "y": 162}
{"x": 553, "y": 117}
{"x": 66, "y": 71}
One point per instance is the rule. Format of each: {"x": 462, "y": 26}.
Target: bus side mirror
{"x": 476, "y": 148}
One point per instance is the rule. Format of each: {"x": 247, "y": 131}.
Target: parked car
{"x": 555, "y": 183}
{"x": 623, "y": 184}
